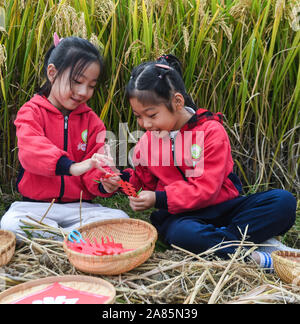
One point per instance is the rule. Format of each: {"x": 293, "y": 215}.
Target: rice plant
{"x": 239, "y": 57}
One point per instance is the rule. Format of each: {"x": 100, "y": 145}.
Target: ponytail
{"x": 172, "y": 61}
{"x": 162, "y": 77}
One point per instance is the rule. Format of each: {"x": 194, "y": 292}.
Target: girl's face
{"x": 158, "y": 117}
{"x": 64, "y": 96}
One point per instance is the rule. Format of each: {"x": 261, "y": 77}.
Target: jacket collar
{"x": 46, "y": 104}
{"x": 200, "y": 117}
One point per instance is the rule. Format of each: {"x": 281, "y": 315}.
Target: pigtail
{"x": 162, "y": 77}
{"x": 173, "y": 62}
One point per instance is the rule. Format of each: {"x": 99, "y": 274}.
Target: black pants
{"x": 266, "y": 214}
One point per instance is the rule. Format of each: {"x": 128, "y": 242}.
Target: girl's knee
{"x": 285, "y": 205}
{"x": 191, "y": 235}
{"x": 9, "y": 224}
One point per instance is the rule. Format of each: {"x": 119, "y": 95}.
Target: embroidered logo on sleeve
{"x": 82, "y": 146}
{"x": 196, "y": 151}
{"x": 195, "y": 154}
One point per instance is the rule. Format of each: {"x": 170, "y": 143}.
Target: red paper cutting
{"x": 108, "y": 248}
{"x": 127, "y": 188}
{"x": 59, "y": 294}
{"x": 109, "y": 175}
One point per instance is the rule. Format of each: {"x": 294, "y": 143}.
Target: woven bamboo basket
{"x": 82, "y": 283}
{"x": 134, "y": 234}
{"x": 287, "y": 266}
{"x": 7, "y": 246}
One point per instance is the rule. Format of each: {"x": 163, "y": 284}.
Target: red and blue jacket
{"x": 49, "y": 143}
{"x": 192, "y": 171}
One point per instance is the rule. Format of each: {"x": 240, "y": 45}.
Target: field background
{"x": 239, "y": 57}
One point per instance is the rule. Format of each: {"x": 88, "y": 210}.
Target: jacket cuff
{"x": 101, "y": 188}
{"x": 63, "y": 166}
{"x": 125, "y": 176}
{"x": 161, "y": 200}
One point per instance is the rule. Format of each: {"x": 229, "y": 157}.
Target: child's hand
{"x": 111, "y": 184}
{"x": 100, "y": 160}
{"x": 145, "y": 200}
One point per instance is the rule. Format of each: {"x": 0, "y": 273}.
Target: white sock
{"x": 276, "y": 245}
{"x": 264, "y": 260}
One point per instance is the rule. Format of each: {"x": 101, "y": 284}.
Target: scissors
{"x": 75, "y": 236}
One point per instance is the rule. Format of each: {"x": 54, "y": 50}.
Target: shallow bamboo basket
{"x": 287, "y": 266}
{"x": 132, "y": 233}
{"x": 83, "y": 283}
{"x": 7, "y": 246}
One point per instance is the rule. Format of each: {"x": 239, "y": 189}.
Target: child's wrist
{"x": 77, "y": 169}
{"x": 63, "y": 166}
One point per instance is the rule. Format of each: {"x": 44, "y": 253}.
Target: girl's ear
{"x": 51, "y": 72}
{"x": 178, "y": 101}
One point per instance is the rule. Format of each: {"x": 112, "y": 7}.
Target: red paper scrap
{"x": 127, "y": 188}
{"x": 59, "y": 294}
{"x": 109, "y": 175}
{"x": 108, "y": 248}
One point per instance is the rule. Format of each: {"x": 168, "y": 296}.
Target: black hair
{"x": 162, "y": 77}
{"x": 77, "y": 53}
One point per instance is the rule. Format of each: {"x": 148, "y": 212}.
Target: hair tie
{"x": 164, "y": 66}
{"x": 164, "y": 56}
{"x": 56, "y": 39}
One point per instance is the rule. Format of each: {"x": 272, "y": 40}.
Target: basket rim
{"x": 147, "y": 245}
{"x": 280, "y": 257}
{"x": 10, "y": 244}
{"x": 61, "y": 279}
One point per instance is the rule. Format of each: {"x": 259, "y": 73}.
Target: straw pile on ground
{"x": 173, "y": 277}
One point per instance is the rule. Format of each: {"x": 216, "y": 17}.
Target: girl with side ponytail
{"x": 183, "y": 163}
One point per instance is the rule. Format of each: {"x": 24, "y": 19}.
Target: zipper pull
{"x": 66, "y": 122}
{"x": 173, "y": 144}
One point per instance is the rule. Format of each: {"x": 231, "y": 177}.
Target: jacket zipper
{"x": 62, "y": 187}
{"x": 173, "y": 153}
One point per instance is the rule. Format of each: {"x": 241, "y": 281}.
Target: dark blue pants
{"x": 267, "y": 214}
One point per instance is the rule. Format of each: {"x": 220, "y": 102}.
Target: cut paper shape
{"x": 127, "y": 188}
{"x": 59, "y": 294}
{"x": 108, "y": 248}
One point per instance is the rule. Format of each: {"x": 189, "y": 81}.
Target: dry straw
{"x": 173, "y": 276}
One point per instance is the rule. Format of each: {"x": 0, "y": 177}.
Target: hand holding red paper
{"x": 110, "y": 182}
{"x": 145, "y": 200}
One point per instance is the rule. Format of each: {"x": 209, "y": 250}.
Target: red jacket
{"x": 49, "y": 143}
{"x": 203, "y": 173}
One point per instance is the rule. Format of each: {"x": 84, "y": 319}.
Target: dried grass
{"x": 173, "y": 277}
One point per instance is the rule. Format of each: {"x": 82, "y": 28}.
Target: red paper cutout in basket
{"x": 108, "y": 248}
